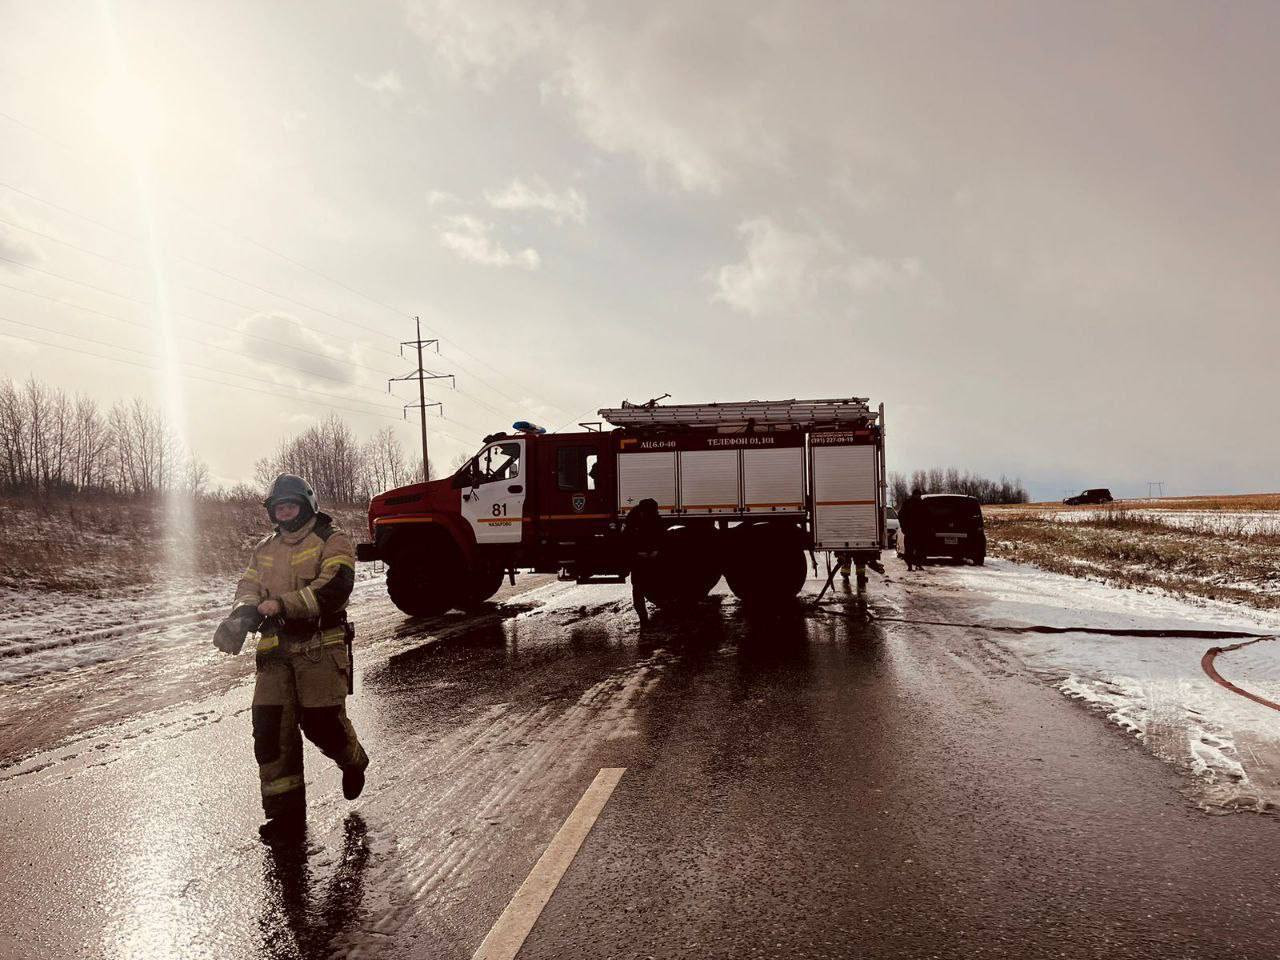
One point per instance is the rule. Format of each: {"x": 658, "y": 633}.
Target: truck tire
{"x": 979, "y": 558}
{"x": 420, "y": 588}
{"x": 765, "y": 564}
{"x": 686, "y": 569}
{"x": 482, "y": 585}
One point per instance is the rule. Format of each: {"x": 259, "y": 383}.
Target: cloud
{"x": 518, "y": 195}
{"x": 671, "y": 88}
{"x": 785, "y": 270}
{"x": 861, "y": 196}
{"x": 299, "y": 356}
{"x": 387, "y": 82}
{"x": 437, "y": 198}
{"x": 472, "y": 239}
{"x": 477, "y": 42}
{"x": 15, "y": 246}
{"x": 875, "y": 273}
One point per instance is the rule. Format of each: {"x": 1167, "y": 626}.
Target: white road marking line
{"x": 508, "y": 934}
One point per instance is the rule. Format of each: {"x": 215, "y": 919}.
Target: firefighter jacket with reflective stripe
{"x": 310, "y": 571}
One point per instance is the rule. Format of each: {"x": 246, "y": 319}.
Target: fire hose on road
{"x": 1207, "y": 662}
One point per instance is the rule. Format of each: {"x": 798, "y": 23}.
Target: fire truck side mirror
{"x": 465, "y": 477}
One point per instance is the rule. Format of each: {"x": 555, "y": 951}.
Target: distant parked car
{"x": 951, "y": 526}
{"x": 891, "y": 526}
{"x": 1096, "y": 495}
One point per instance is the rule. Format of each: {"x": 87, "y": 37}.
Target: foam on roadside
{"x": 1152, "y": 687}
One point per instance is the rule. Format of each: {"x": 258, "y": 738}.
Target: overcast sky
{"x": 1044, "y": 235}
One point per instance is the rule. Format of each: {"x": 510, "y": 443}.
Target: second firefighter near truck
{"x": 294, "y": 593}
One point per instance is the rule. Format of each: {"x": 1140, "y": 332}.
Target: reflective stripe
{"x": 339, "y": 561}
{"x": 267, "y": 561}
{"x": 268, "y": 643}
{"x": 309, "y": 596}
{"x": 273, "y": 788}
{"x": 250, "y": 574}
{"x": 303, "y": 555}
{"x": 247, "y": 600}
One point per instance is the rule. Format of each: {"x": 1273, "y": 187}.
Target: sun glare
{"x": 128, "y": 115}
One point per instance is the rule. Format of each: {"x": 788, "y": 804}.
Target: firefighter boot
{"x": 352, "y": 782}
{"x": 638, "y": 602}
{"x": 291, "y": 828}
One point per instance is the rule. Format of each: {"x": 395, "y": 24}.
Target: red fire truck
{"x": 745, "y": 491}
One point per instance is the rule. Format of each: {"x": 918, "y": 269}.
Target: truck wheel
{"x": 420, "y": 588}
{"x": 483, "y": 584}
{"x": 686, "y": 569}
{"x": 979, "y": 559}
{"x": 765, "y": 564}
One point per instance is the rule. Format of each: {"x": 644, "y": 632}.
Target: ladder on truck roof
{"x": 759, "y": 412}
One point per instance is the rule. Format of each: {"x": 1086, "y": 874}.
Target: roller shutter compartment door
{"x": 642, "y": 475}
{"x": 844, "y": 497}
{"x": 773, "y": 480}
{"x": 709, "y": 481}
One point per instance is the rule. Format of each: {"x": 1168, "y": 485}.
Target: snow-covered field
{"x": 1195, "y": 551}
{"x": 1229, "y": 522}
{"x": 1153, "y": 687}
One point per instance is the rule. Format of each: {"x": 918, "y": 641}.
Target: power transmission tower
{"x": 1153, "y": 486}
{"x": 422, "y": 376}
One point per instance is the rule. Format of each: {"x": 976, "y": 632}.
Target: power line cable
{"x": 206, "y": 343}
{"x": 177, "y": 256}
{"x": 575, "y": 420}
{"x": 185, "y": 316}
{"x": 148, "y": 304}
{"x": 73, "y": 246}
{"x": 190, "y": 363}
{"x": 82, "y": 283}
{"x": 212, "y": 269}
{"x": 402, "y": 314}
{"x": 39, "y": 133}
{"x": 239, "y": 353}
{"x": 189, "y": 376}
{"x": 299, "y": 264}
{"x": 67, "y": 210}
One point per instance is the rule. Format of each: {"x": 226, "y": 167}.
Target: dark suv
{"x": 1096, "y": 495}
{"x": 950, "y": 525}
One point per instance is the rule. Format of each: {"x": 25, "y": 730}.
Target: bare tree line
{"x": 53, "y": 443}
{"x": 340, "y": 467}
{"x": 953, "y": 480}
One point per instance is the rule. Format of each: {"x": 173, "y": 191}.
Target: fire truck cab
{"x": 745, "y": 491}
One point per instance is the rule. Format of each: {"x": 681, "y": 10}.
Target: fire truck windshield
{"x": 501, "y": 461}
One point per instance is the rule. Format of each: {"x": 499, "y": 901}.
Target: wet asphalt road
{"x": 802, "y": 784}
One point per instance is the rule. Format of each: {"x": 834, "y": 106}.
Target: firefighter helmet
{"x": 290, "y": 487}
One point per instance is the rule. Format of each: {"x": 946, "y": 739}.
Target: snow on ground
{"x": 1153, "y": 687}
{"x": 45, "y": 631}
{"x": 1230, "y": 522}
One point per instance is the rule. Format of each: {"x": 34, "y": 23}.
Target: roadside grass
{"x": 1236, "y": 559}
{"x": 100, "y": 546}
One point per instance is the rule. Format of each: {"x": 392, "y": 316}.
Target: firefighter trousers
{"x": 300, "y": 689}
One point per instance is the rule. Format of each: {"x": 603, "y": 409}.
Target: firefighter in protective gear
{"x": 643, "y": 531}
{"x": 295, "y": 589}
{"x": 845, "y": 560}
{"x": 914, "y": 529}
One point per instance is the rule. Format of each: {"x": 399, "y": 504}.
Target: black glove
{"x": 231, "y": 632}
